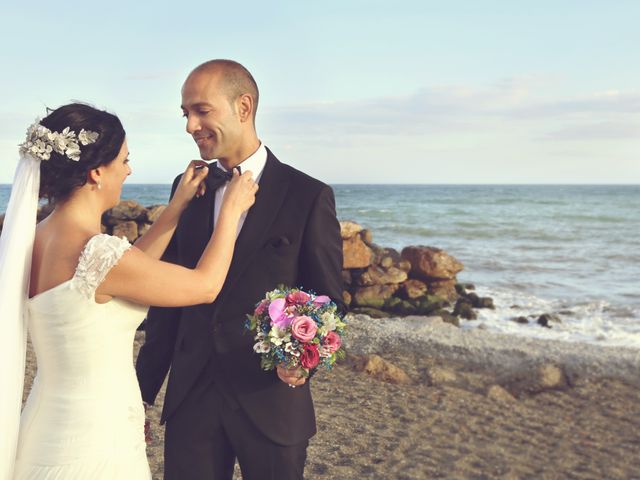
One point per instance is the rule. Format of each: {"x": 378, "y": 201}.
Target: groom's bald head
{"x": 234, "y": 79}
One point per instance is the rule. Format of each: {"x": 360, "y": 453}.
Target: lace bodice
{"x": 100, "y": 254}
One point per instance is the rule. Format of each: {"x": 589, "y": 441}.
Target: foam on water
{"x": 595, "y": 322}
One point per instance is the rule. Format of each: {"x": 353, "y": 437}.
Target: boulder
{"x": 546, "y": 319}
{"x": 356, "y": 254}
{"x": 154, "y": 211}
{"x": 366, "y": 236}
{"x": 550, "y": 377}
{"x": 370, "y": 312}
{"x": 376, "y": 275}
{"x": 404, "y": 265}
{"x": 346, "y": 277}
{"x": 444, "y": 288}
{"x": 499, "y": 394}
{"x": 128, "y": 229}
{"x": 124, "y": 211}
{"x": 373, "y": 296}
{"x": 486, "y": 302}
{"x": 441, "y": 376}
{"x": 428, "y": 304}
{"x": 430, "y": 263}
{"x": 447, "y": 317}
{"x": 143, "y": 228}
{"x": 464, "y": 309}
{"x": 349, "y": 229}
{"x": 380, "y": 369}
{"x": 346, "y": 298}
{"x": 412, "y": 289}
{"x": 44, "y": 211}
{"x": 520, "y": 319}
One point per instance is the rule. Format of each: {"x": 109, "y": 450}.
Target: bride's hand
{"x": 240, "y": 193}
{"x": 192, "y": 182}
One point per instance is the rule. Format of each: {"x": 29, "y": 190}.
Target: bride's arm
{"x": 155, "y": 240}
{"x": 145, "y": 280}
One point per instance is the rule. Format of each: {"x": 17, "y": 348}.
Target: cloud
{"x": 520, "y": 105}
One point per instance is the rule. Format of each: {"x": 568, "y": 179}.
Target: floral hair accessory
{"x": 41, "y": 142}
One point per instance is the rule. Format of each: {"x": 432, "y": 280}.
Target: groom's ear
{"x": 245, "y": 107}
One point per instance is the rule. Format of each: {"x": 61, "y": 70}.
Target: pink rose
{"x": 304, "y": 329}
{"x": 278, "y": 313}
{"x": 321, "y": 300}
{"x": 333, "y": 341}
{"x": 298, "y": 297}
{"x": 310, "y": 357}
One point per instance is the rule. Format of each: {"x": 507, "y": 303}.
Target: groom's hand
{"x": 291, "y": 376}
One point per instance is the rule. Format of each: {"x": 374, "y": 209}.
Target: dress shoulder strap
{"x": 101, "y": 253}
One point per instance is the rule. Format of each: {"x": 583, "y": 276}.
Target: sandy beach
{"x": 478, "y": 406}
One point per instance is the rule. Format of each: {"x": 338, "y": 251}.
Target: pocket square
{"x": 277, "y": 242}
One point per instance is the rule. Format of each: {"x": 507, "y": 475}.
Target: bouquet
{"x": 294, "y": 329}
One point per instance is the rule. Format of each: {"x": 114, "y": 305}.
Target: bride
{"x": 82, "y": 293}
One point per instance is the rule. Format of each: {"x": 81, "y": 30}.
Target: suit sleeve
{"x": 321, "y": 250}
{"x": 161, "y": 328}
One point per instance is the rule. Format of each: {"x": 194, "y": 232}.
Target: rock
{"x": 367, "y": 236}
{"x": 546, "y": 319}
{"x": 128, "y": 229}
{"x": 44, "y": 211}
{"x": 404, "y": 308}
{"x": 371, "y": 312}
{"x": 429, "y": 263}
{"x": 356, "y": 253}
{"x": 404, "y": 265}
{"x": 428, "y": 304}
{"x": 441, "y": 376}
{"x": 486, "y": 302}
{"x": 447, "y": 317}
{"x": 346, "y": 277}
{"x": 499, "y": 394}
{"x": 124, "y": 211}
{"x": 380, "y": 369}
{"x": 445, "y": 289}
{"x": 376, "y": 275}
{"x": 143, "y": 228}
{"x": 154, "y": 211}
{"x": 412, "y": 289}
{"x": 550, "y": 377}
{"x": 391, "y": 303}
{"x": 522, "y": 320}
{"x": 349, "y": 229}
{"x": 460, "y": 290}
{"x": 464, "y": 309}
{"x": 373, "y": 296}
{"x": 346, "y": 298}
{"x": 543, "y": 378}
{"x": 473, "y": 298}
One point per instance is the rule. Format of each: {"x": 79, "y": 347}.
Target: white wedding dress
{"x": 84, "y": 417}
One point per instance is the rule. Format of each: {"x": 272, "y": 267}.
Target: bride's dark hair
{"x": 60, "y": 176}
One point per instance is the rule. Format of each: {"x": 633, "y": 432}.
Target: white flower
{"x": 41, "y": 141}
{"x": 87, "y": 137}
{"x": 328, "y": 321}
{"x": 262, "y": 347}
{"x": 278, "y": 336}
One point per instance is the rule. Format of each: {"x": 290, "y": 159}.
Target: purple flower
{"x": 278, "y": 314}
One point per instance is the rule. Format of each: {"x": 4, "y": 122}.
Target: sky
{"x": 351, "y": 91}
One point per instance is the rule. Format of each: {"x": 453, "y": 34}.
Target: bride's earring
{"x": 99, "y": 185}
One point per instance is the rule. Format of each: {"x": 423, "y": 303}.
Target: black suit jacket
{"x": 290, "y": 236}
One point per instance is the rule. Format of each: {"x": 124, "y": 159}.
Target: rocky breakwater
{"x": 419, "y": 280}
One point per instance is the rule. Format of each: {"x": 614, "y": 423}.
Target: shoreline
{"x": 485, "y": 349}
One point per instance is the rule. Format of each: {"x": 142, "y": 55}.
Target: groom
{"x": 219, "y": 404}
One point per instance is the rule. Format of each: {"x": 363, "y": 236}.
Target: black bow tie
{"x": 218, "y": 177}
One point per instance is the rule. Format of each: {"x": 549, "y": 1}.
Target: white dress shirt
{"x": 255, "y": 163}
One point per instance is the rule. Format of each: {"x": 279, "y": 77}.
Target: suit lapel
{"x": 273, "y": 189}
